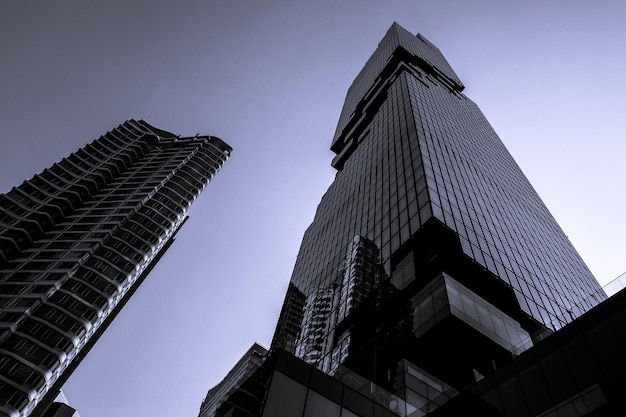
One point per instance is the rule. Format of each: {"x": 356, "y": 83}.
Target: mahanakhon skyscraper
{"x": 430, "y": 246}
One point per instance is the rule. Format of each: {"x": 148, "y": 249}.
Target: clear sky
{"x": 269, "y": 77}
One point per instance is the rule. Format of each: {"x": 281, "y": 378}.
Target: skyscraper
{"x": 433, "y": 281}
{"x": 76, "y": 242}
{"x": 472, "y": 267}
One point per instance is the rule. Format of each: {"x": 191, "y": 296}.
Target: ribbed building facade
{"x": 77, "y": 239}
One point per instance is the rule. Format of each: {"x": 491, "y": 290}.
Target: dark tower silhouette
{"x": 465, "y": 245}
{"x": 433, "y": 280}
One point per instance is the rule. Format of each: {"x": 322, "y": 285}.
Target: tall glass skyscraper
{"x": 430, "y": 247}
{"x": 78, "y": 239}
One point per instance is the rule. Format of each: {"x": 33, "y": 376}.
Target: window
{"x": 404, "y": 272}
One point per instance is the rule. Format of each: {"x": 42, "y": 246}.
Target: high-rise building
{"x": 243, "y": 369}
{"x": 78, "y": 239}
{"x": 433, "y": 280}
{"x": 465, "y": 243}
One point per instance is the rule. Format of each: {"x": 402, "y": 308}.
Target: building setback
{"x": 462, "y": 271}
{"x": 78, "y": 239}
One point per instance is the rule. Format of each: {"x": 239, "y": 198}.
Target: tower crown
{"x": 397, "y": 46}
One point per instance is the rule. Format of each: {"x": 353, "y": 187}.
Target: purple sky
{"x": 269, "y": 77}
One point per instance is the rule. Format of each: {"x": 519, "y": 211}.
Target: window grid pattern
{"x": 396, "y": 38}
{"x": 381, "y": 194}
{"x": 113, "y": 208}
{"x": 429, "y": 152}
{"x": 479, "y": 191}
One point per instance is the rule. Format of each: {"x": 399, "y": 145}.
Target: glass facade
{"x": 77, "y": 240}
{"x": 444, "y": 297}
{"x": 433, "y": 281}
{"x": 578, "y": 371}
{"x": 423, "y": 177}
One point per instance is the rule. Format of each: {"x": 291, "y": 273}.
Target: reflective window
{"x": 318, "y": 406}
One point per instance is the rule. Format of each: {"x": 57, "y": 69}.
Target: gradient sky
{"x": 269, "y": 77}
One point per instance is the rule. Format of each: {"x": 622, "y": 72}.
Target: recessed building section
{"x": 445, "y": 299}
